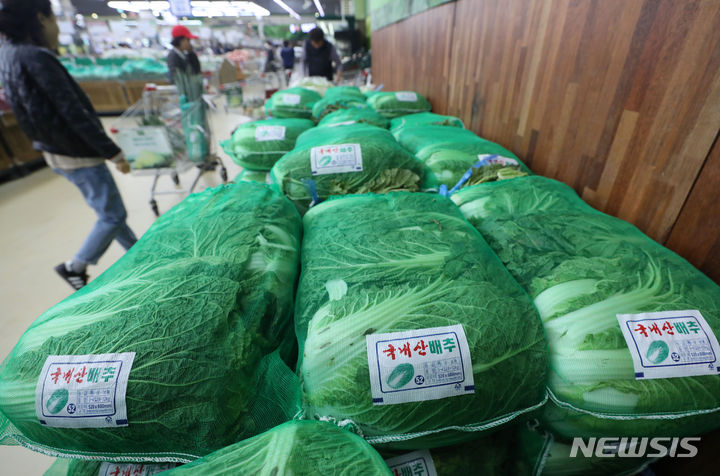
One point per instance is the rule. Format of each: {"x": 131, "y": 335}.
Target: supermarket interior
{"x": 499, "y": 220}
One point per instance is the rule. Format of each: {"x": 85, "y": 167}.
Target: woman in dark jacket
{"x": 57, "y": 115}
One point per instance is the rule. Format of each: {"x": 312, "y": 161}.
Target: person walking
{"x": 182, "y": 57}
{"x": 319, "y": 56}
{"x": 56, "y": 114}
{"x": 287, "y": 53}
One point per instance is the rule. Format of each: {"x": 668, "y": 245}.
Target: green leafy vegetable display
{"x": 424, "y": 119}
{"x": 328, "y": 105}
{"x": 298, "y": 448}
{"x": 385, "y": 165}
{"x": 258, "y": 145}
{"x": 400, "y": 103}
{"x": 203, "y": 299}
{"x": 292, "y": 102}
{"x": 407, "y": 261}
{"x": 582, "y": 269}
{"x": 354, "y": 115}
{"x": 347, "y": 92}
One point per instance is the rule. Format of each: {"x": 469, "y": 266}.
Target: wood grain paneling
{"x": 696, "y": 234}
{"x": 618, "y": 98}
{"x": 416, "y": 54}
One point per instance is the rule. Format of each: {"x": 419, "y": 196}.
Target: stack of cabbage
{"x": 585, "y": 269}
{"x": 355, "y": 115}
{"x": 337, "y": 98}
{"x": 451, "y": 151}
{"x": 342, "y": 160}
{"x": 292, "y": 102}
{"x": 202, "y": 301}
{"x": 258, "y": 145}
{"x": 377, "y": 264}
{"x": 400, "y": 103}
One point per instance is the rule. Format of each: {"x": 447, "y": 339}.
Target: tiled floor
{"x": 43, "y": 220}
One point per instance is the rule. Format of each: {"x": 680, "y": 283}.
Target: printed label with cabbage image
{"x": 334, "y": 159}
{"x": 406, "y": 96}
{"x": 83, "y": 391}
{"x": 291, "y": 99}
{"x": 134, "y": 469}
{"x": 417, "y": 463}
{"x": 418, "y": 365}
{"x": 670, "y": 344}
{"x": 266, "y": 133}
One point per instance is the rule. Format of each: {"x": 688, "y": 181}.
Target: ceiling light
{"x": 285, "y": 7}
{"x": 319, "y": 8}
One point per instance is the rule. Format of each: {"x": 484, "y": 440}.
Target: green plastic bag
{"x": 424, "y": 119}
{"x": 181, "y": 339}
{"x": 399, "y": 103}
{"x": 299, "y": 448}
{"x": 345, "y": 160}
{"x": 346, "y": 92}
{"x": 409, "y": 262}
{"x": 258, "y": 145}
{"x": 327, "y": 105}
{"x": 354, "y": 115}
{"x": 586, "y": 270}
{"x": 247, "y": 175}
{"x": 292, "y": 102}
{"x": 194, "y": 122}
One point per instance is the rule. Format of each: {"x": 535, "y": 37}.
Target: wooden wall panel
{"x": 618, "y": 98}
{"x": 696, "y": 234}
{"x": 415, "y": 54}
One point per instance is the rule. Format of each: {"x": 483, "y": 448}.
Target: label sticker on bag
{"x": 670, "y": 344}
{"x": 335, "y": 159}
{"x": 493, "y": 159}
{"x": 406, "y": 96}
{"x": 134, "y": 469}
{"x": 83, "y": 391}
{"x": 344, "y": 123}
{"x": 265, "y": 133}
{"x": 424, "y": 364}
{"x": 417, "y": 463}
{"x": 291, "y": 99}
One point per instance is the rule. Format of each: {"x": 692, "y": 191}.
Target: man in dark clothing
{"x": 57, "y": 115}
{"x": 182, "y": 58}
{"x": 287, "y": 53}
{"x": 319, "y": 56}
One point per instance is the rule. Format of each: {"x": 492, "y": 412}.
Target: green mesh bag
{"x": 585, "y": 270}
{"x": 327, "y": 105}
{"x": 185, "y": 325}
{"x": 354, "y": 115}
{"x": 258, "y": 145}
{"x": 298, "y": 448}
{"x": 346, "y": 92}
{"x": 79, "y": 467}
{"x": 247, "y": 175}
{"x": 409, "y": 262}
{"x": 415, "y": 138}
{"x": 400, "y": 103}
{"x": 424, "y": 119}
{"x": 342, "y": 160}
{"x": 292, "y": 102}
{"x": 508, "y": 452}
{"x": 450, "y": 167}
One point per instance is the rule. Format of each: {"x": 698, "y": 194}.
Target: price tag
{"x": 291, "y": 99}
{"x": 417, "y": 463}
{"x": 267, "y": 133}
{"x": 406, "y": 96}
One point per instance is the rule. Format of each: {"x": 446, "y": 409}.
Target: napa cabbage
{"x": 582, "y": 269}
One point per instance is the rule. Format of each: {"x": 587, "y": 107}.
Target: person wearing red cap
{"x": 182, "y": 58}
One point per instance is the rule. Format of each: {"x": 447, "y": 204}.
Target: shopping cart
{"x": 160, "y": 136}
